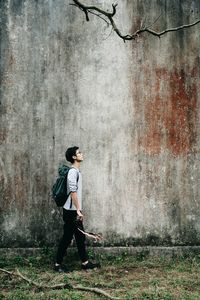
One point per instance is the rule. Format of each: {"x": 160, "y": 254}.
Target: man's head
{"x": 73, "y": 154}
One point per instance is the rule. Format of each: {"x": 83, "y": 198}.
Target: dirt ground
{"x": 123, "y": 277}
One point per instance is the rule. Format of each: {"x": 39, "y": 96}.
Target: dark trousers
{"x": 70, "y": 230}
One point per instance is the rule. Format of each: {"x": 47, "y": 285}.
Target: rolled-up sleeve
{"x": 72, "y": 180}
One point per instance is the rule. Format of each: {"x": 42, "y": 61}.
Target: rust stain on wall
{"x": 5, "y": 194}
{"x": 3, "y": 135}
{"x": 152, "y": 139}
{"x": 12, "y": 60}
{"x": 19, "y": 181}
{"x": 181, "y": 122}
{"x": 172, "y": 115}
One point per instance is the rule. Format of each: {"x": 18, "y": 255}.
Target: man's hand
{"x": 80, "y": 215}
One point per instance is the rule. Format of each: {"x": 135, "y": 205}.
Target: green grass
{"x": 123, "y": 276}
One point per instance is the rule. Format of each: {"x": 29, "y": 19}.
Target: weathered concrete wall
{"x": 133, "y": 109}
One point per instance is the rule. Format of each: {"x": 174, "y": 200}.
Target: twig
{"x": 84, "y": 7}
{"x": 109, "y": 15}
{"x": 59, "y": 285}
{"x": 108, "y": 35}
{"x": 159, "y": 34}
{"x": 97, "y": 291}
{"x": 154, "y": 22}
{"x": 18, "y": 274}
{"x": 98, "y": 15}
{"x": 7, "y": 272}
{"x": 95, "y": 236}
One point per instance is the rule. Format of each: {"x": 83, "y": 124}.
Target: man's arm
{"x": 75, "y": 201}
{"x": 73, "y": 186}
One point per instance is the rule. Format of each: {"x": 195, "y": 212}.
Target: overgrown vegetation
{"x": 122, "y": 276}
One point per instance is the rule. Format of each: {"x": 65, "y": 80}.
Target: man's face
{"x": 79, "y": 155}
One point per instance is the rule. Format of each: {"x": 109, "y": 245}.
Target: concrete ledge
{"x": 147, "y": 251}
{"x": 150, "y": 251}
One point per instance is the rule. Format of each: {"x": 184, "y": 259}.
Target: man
{"x": 72, "y": 213}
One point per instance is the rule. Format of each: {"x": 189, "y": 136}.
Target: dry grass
{"x": 124, "y": 276}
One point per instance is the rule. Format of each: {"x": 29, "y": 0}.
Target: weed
{"x": 3, "y": 262}
{"x": 154, "y": 282}
{"x": 121, "y": 275}
{"x": 140, "y": 256}
{"x": 136, "y": 283}
{"x": 91, "y": 254}
{"x": 1, "y": 296}
{"x": 76, "y": 296}
{"x": 18, "y": 260}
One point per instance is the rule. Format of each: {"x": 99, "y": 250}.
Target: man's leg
{"x": 68, "y": 227}
{"x": 80, "y": 242}
{"x": 64, "y": 242}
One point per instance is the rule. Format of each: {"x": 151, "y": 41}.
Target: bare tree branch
{"x": 99, "y": 15}
{"x": 154, "y": 22}
{"x": 95, "y": 236}
{"x": 109, "y": 15}
{"x": 38, "y": 285}
{"x": 86, "y": 8}
{"x": 159, "y": 34}
{"x": 108, "y": 34}
{"x": 59, "y": 285}
{"x": 96, "y": 291}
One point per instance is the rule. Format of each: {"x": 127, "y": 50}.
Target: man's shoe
{"x": 60, "y": 269}
{"x": 90, "y": 265}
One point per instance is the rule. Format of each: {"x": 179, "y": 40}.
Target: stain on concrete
{"x": 6, "y": 192}
{"x": 3, "y": 135}
{"x": 20, "y": 180}
{"x": 171, "y": 117}
{"x": 4, "y": 45}
{"x": 181, "y": 125}
{"x": 17, "y": 6}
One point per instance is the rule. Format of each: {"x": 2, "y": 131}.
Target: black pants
{"x": 70, "y": 230}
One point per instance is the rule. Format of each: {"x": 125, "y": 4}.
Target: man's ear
{"x": 74, "y": 157}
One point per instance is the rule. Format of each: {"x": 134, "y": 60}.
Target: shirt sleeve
{"x": 72, "y": 180}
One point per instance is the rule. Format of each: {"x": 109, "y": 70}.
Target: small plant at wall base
{"x": 108, "y": 17}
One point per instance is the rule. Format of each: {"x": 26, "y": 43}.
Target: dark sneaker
{"x": 90, "y": 265}
{"x": 60, "y": 269}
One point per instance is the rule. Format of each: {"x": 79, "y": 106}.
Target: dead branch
{"x": 110, "y": 21}
{"x": 159, "y": 34}
{"x": 99, "y": 16}
{"x": 95, "y": 236}
{"x": 59, "y": 285}
{"x": 38, "y": 285}
{"x": 97, "y": 291}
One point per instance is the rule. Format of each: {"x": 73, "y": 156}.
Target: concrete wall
{"x": 133, "y": 108}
